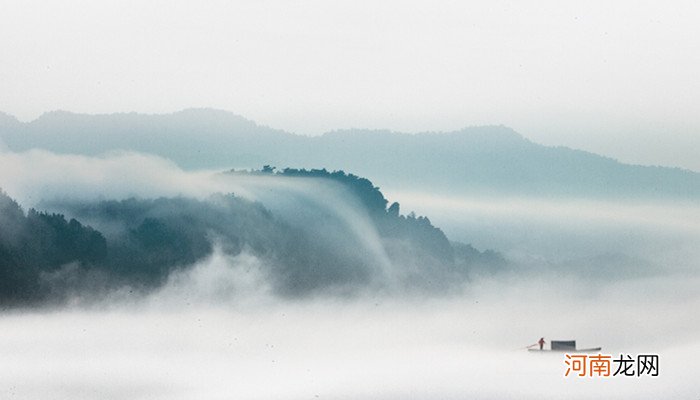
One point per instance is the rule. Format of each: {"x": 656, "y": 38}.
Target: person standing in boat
{"x": 541, "y": 342}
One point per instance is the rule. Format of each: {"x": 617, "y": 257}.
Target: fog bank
{"x": 466, "y": 347}
{"x": 616, "y": 274}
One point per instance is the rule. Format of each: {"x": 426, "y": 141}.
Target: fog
{"x": 621, "y": 275}
{"x": 649, "y": 236}
{"x": 174, "y": 346}
{"x": 38, "y": 175}
{"x": 293, "y": 288}
{"x": 319, "y": 214}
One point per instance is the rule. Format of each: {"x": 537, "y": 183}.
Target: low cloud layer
{"x": 465, "y": 347}
{"x": 314, "y": 231}
{"x": 641, "y": 237}
{"x": 618, "y": 275}
{"x": 38, "y": 175}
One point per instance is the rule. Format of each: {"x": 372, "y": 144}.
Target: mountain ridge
{"x": 492, "y": 159}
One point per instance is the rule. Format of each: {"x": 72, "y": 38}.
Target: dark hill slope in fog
{"x": 490, "y": 159}
{"x": 307, "y": 249}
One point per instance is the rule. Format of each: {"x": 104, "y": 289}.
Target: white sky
{"x": 616, "y": 78}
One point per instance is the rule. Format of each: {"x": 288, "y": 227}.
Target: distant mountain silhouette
{"x": 8, "y": 121}
{"x": 487, "y": 159}
{"x": 194, "y": 138}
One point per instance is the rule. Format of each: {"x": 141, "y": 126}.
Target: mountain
{"x": 194, "y": 138}
{"x": 496, "y": 160}
{"x": 477, "y": 160}
{"x": 312, "y": 245}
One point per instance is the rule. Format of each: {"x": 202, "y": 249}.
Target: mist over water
{"x": 179, "y": 346}
{"x": 611, "y": 274}
{"x": 136, "y": 265}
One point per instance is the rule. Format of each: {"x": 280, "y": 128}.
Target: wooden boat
{"x": 566, "y": 346}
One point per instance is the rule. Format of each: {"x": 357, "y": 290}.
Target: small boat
{"x": 568, "y": 346}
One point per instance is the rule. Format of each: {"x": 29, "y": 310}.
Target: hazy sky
{"x": 616, "y": 78}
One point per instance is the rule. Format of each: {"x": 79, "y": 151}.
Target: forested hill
{"x": 35, "y": 244}
{"x": 475, "y": 160}
{"x": 139, "y": 243}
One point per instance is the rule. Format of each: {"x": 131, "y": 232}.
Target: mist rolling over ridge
{"x": 145, "y": 256}
{"x": 327, "y": 232}
{"x": 349, "y": 200}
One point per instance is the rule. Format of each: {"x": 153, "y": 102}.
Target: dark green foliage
{"x": 305, "y": 248}
{"x": 165, "y": 234}
{"x": 421, "y": 251}
{"x": 366, "y": 192}
{"x": 39, "y": 243}
{"x": 157, "y": 236}
{"x": 389, "y": 222}
{"x": 55, "y": 241}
